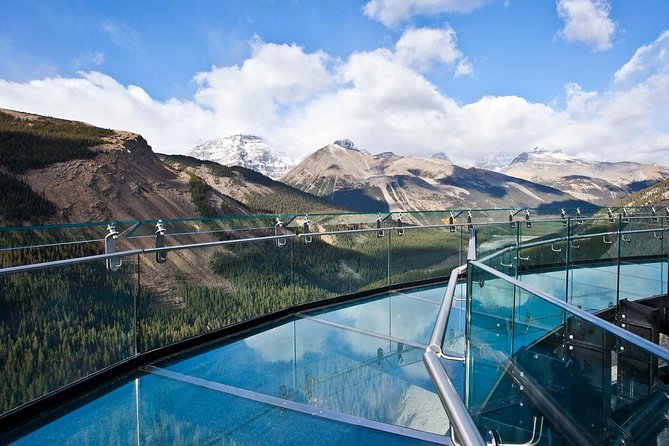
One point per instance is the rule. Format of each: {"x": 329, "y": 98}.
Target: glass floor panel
{"x": 346, "y": 379}
{"x": 154, "y": 410}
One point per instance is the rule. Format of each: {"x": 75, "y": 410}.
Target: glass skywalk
{"x": 317, "y": 329}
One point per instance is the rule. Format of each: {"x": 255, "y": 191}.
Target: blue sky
{"x": 470, "y": 77}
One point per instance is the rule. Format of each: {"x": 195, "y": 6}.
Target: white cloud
{"x": 393, "y": 12}
{"x": 100, "y": 100}
{"x": 421, "y": 48}
{"x": 587, "y": 21}
{"x": 646, "y": 59}
{"x": 300, "y": 101}
{"x": 120, "y": 34}
{"x": 464, "y": 68}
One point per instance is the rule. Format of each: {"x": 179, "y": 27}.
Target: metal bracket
{"x": 470, "y": 226}
{"x": 400, "y": 231}
{"x": 626, "y": 239}
{"x": 451, "y": 222}
{"x": 656, "y": 218}
{"x": 661, "y": 236}
{"x": 380, "y": 232}
{"x": 553, "y": 248}
{"x": 161, "y": 256}
{"x": 512, "y": 223}
{"x": 504, "y": 264}
{"x": 527, "y": 219}
{"x": 608, "y": 242}
{"x": 534, "y": 441}
{"x": 523, "y": 258}
{"x": 563, "y": 216}
{"x": 280, "y": 242}
{"x": 110, "y": 248}
{"x": 611, "y": 217}
{"x": 305, "y": 230}
{"x": 571, "y": 245}
{"x": 626, "y": 217}
{"x": 579, "y": 220}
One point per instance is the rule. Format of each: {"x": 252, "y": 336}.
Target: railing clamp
{"x": 400, "y": 231}
{"x": 112, "y": 264}
{"x": 579, "y": 220}
{"x": 563, "y": 215}
{"x": 305, "y": 229}
{"x": 380, "y": 232}
{"x": 470, "y": 226}
{"x": 451, "y": 222}
{"x": 528, "y": 222}
{"x": 611, "y": 217}
{"x": 512, "y": 224}
{"x": 280, "y": 242}
{"x": 161, "y": 256}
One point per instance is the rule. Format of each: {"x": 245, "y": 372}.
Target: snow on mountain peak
{"x": 348, "y": 145}
{"x": 543, "y": 155}
{"x": 494, "y": 162}
{"x": 247, "y": 151}
{"x": 441, "y": 156}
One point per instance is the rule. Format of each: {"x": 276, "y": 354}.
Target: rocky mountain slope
{"x": 657, "y": 194}
{"x": 366, "y": 182}
{"x": 247, "y": 151}
{"x": 594, "y": 181}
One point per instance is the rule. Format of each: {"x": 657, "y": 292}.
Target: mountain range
{"x": 365, "y": 182}
{"x": 77, "y": 172}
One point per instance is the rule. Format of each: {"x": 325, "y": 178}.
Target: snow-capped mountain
{"x": 596, "y": 181}
{"x": 348, "y": 145}
{"x": 247, "y": 151}
{"x": 494, "y": 162}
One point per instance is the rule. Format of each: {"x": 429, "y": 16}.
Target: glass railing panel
{"x": 454, "y": 338}
{"x": 593, "y": 263}
{"x": 203, "y": 289}
{"x": 491, "y": 242}
{"x": 543, "y": 259}
{"x": 36, "y": 244}
{"x": 184, "y": 231}
{"x": 643, "y": 258}
{"x": 152, "y": 409}
{"x": 60, "y": 324}
{"x": 491, "y": 313}
{"x": 421, "y": 254}
{"x": 334, "y": 265}
{"x": 583, "y": 383}
{"x": 328, "y": 367}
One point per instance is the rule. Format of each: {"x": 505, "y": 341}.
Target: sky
{"x": 416, "y": 77}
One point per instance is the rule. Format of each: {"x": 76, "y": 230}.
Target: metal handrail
{"x": 619, "y": 332}
{"x": 461, "y": 422}
{"x": 131, "y": 252}
{"x": 439, "y": 330}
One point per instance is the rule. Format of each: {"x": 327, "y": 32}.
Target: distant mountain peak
{"x": 248, "y": 151}
{"x": 349, "y": 145}
{"x": 543, "y": 155}
{"x": 386, "y": 155}
{"x": 441, "y": 156}
{"x": 494, "y": 162}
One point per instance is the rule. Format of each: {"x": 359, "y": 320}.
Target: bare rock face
{"x": 125, "y": 181}
{"x": 389, "y": 182}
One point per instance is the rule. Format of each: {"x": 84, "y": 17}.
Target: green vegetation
{"x": 198, "y": 195}
{"x": 277, "y": 198}
{"x": 39, "y": 142}
{"x": 18, "y": 202}
{"x": 656, "y": 194}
